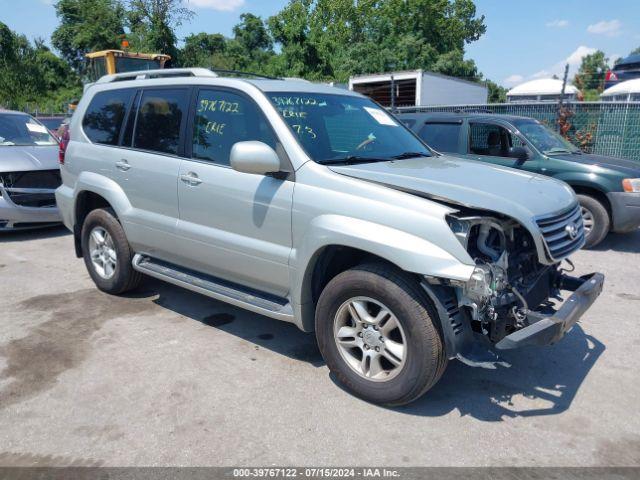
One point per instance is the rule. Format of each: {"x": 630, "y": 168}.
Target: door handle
{"x": 190, "y": 179}
{"x": 123, "y": 165}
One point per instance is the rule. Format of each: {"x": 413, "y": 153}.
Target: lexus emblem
{"x": 572, "y": 230}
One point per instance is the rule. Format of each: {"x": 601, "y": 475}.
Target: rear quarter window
{"x": 104, "y": 117}
{"x": 443, "y": 137}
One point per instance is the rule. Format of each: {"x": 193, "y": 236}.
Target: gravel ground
{"x": 169, "y": 377}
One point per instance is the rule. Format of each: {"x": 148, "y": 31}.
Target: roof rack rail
{"x": 240, "y": 73}
{"x": 473, "y": 110}
{"x": 160, "y": 73}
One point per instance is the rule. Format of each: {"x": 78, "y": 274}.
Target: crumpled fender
{"x": 407, "y": 251}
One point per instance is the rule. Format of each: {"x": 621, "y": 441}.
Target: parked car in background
{"x": 313, "y": 205}
{"x": 626, "y": 69}
{"x": 53, "y": 123}
{"x": 608, "y": 188}
{"x": 29, "y": 172}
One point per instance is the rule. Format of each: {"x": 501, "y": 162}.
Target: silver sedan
{"x": 29, "y": 172}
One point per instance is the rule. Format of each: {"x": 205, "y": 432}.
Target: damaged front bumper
{"x": 548, "y": 329}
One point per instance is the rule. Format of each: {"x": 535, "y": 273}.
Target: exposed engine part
{"x": 508, "y": 279}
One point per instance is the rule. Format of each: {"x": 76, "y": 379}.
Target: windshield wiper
{"x": 404, "y": 155}
{"x": 352, "y": 160}
{"x": 557, "y": 150}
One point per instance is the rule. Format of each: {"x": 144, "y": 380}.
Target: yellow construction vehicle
{"x": 107, "y": 62}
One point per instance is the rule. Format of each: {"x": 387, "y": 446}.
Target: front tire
{"x": 376, "y": 331}
{"x": 107, "y": 254}
{"x": 595, "y": 219}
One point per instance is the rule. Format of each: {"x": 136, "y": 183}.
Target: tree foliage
{"x": 497, "y": 93}
{"x": 152, "y": 24}
{"x": 591, "y": 74}
{"x": 333, "y": 39}
{"x": 32, "y": 73}
{"x": 202, "y": 50}
{"x": 312, "y": 39}
{"x": 85, "y": 26}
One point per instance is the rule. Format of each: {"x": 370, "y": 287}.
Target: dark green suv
{"x": 608, "y": 188}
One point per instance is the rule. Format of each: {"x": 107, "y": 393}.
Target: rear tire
{"x": 595, "y": 218}
{"x": 107, "y": 254}
{"x": 395, "y": 380}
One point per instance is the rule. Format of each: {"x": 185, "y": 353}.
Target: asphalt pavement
{"x": 169, "y": 377}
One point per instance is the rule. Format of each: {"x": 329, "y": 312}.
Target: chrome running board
{"x": 262, "y": 303}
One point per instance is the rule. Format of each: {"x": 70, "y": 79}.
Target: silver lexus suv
{"x": 313, "y": 205}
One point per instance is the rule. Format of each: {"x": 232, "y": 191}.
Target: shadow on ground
{"x": 33, "y": 234}
{"x": 280, "y": 337}
{"x": 540, "y": 381}
{"x": 621, "y": 242}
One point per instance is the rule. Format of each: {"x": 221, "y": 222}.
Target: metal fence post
{"x": 393, "y": 95}
{"x": 561, "y": 99}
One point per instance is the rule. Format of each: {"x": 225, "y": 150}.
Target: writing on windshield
{"x": 331, "y": 127}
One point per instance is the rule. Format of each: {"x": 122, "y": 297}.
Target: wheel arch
{"x": 95, "y": 191}
{"x": 334, "y": 243}
{"x": 596, "y": 193}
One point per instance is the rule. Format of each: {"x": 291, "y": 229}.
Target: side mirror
{"x": 520, "y": 153}
{"x": 254, "y": 157}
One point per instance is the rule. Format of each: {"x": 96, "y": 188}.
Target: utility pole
{"x": 393, "y": 95}
{"x": 564, "y": 86}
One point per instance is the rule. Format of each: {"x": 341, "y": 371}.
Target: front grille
{"x": 557, "y": 231}
{"x": 32, "y": 179}
{"x": 33, "y": 200}
{"x": 33, "y": 189}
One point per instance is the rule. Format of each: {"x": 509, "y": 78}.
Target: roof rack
{"x": 240, "y": 73}
{"x": 160, "y": 73}
{"x": 473, "y": 110}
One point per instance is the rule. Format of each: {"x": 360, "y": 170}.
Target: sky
{"x": 525, "y": 39}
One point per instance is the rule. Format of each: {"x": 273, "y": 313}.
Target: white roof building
{"x": 541, "y": 90}
{"x": 628, "y": 91}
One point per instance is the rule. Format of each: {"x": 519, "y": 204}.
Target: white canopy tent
{"x": 542, "y": 90}
{"x": 628, "y": 91}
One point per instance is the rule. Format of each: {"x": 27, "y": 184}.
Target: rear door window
{"x": 160, "y": 120}
{"x": 443, "y": 137}
{"x": 104, "y": 116}
{"x": 223, "y": 118}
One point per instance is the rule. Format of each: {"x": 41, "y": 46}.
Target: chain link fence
{"x": 38, "y": 110}
{"x": 605, "y": 128}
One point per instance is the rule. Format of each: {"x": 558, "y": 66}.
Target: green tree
{"x": 153, "y": 22}
{"x": 202, "y": 49}
{"x": 591, "y": 73}
{"x": 85, "y": 26}
{"x": 251, "y": 48}
{"x": 252, "y": 34}
{"x": 497, "y": 94}
{"x": 32, "y": 74}
{"x": 333, "y": 39}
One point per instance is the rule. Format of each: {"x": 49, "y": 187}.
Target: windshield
{"x": 334, "y": 128}
{"x": 128, "y": 64}
{"x": 545, "y": 139}
{"x": 22, "y": 129}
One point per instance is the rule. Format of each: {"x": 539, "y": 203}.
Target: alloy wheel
{"x": 370, "y": 339}
{"x": 587, "y": 220}
{"x": 102, "y": 252}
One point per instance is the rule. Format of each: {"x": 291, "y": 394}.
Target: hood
{"x": 630, "y": 168}
{"x": 520, "y": 195}
{"x": 25, "y": 158}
